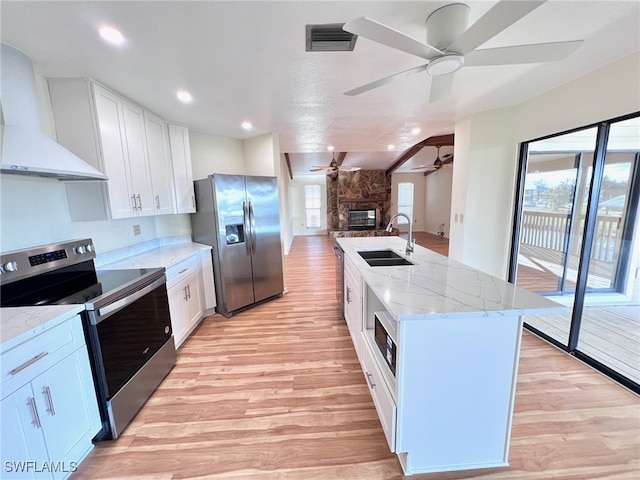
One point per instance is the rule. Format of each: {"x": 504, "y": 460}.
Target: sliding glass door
{"x": 576, "y": 241}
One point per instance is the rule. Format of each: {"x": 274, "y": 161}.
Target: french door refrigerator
{"x": 239, "y": 217}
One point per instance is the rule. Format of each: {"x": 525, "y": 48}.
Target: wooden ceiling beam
{"x": 341, "y": 157}
{"x": 436, "y": 141}
{"x": 286, "y": 157}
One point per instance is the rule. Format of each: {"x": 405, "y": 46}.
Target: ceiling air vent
{"x": 329, "y": 38}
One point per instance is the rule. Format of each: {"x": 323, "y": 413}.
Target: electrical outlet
{"x": 136, "y": 230}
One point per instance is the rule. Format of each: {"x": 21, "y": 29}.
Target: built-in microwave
{"x": 384, "y": 335}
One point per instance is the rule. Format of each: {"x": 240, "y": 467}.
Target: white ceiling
{"x": 247, "y": 61}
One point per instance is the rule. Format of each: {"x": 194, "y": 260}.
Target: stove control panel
{"x": 25, "y": 263}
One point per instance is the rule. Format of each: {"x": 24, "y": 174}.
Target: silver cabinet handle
{"x": 139, "y": 201}
{"x": 189, "y": 290}
{"x": 348, "y": 295}
{"x": 371, "y": 384}
{"x": 28, "y": 362}
{"x": 46, "y": 391}
{"x": 31, "y": 402}
{"x": 158, "y": 202}
{"x": 185, "y": 294}
{"x": 182, "y": 271}
{"x": 193, "y": 201}
{"x": 133, "y": 202}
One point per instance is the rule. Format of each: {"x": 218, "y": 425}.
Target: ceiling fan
{"x": 451, "y": 43}
{"x": 334, "y": 167}
{"x": 445, "y": 161}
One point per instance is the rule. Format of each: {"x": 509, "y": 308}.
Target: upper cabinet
{"x": 119, "y": 138}
{"x": 182, "y": 170}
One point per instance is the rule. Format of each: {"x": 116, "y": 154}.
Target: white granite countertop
{"x": 18, "y": 324}
{"x": 438, "y": 287}
{"x": 162, "y": 256}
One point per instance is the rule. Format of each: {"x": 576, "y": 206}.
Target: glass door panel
{"x": 610, "y": 324}
{"x": 556, "y": 190}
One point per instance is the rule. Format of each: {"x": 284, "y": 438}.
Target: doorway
{"x": 575, "y": 240}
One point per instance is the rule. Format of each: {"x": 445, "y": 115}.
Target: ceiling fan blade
{"x": 378, "y": 32}
{"x": 440, "y": 87}
{"x": 384, "y": 81}
{"x": 349, "y": 169}
{"x": 533, "y": 53}
{"x": 502, "y": 15}
{"x": 319, "y": 167}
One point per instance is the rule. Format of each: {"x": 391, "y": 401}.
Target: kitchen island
{"x": 438, "y": 342}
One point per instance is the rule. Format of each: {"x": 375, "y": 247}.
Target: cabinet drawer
{"x": 382, "y": 398}
{"x": 178, "y": 272}
{"x": 30, "y": 358}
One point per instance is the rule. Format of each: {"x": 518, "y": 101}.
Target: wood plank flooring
{"x": 276, "y": 392}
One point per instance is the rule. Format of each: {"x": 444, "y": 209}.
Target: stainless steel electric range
{"x": 126, "y": 319}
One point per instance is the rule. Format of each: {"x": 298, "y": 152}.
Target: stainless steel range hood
{"x": 26, "y": 150}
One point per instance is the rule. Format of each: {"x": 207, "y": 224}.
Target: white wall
{"x": 260, "y": 155}
{"x": 296, "y": 198}
{"x": 438, "y": 201}
{"x": 214, "y": 154}
{"x": 33, "y": 211}
{"x": 486, "y": 155}
{"x": 419, "y": 183}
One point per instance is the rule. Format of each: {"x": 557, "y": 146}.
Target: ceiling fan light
{"x": 445, "y": 65}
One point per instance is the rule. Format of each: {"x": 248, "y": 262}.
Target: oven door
{"x": 132, "y": 350}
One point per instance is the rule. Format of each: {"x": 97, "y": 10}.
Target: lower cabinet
{"x": 353, "y": 304}
{"x": 184, "y": 287}
{"x": 49, "y": 421}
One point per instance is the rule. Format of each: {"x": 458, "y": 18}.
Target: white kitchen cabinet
{"x": 115, "y": 136}
{"x": 184, "y": 288}
{"x": 353, "y": 304}
{"x": 208, "y": 282}
{"x": 182, "y": 169}
{"x": 49, "y": 408}
{"x": 160, "y": 162}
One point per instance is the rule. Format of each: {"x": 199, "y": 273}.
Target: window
{"x": 405, "y": 201}
{"x": 312, "y": 205}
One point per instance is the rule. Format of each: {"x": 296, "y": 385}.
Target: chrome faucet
{"x": 410, "y": 241}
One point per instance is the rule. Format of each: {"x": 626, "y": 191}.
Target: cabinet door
{"x": 68, "y": 408}
{"x": 193, "y": 303}
{"x": 179, "y": 322}
{"x": 160, "y": 164}
{"x": 182, "y": 170}
{"x": 114, "y": 151}
{"x": 22, "y": 439}
{"x": 138, "y": 158}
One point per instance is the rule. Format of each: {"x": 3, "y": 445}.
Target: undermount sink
{"x": 383, "y": 258}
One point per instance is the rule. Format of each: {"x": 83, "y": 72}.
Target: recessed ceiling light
{"x": 391, "y": 147}
{"x": 416, "y": 131}
{"x": 247, "y": 125}
{"x": 330, "y": 148}
{"x": 184, "y": 96}
{"x": 111, "y": 35}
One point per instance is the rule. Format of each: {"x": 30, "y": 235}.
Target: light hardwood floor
{"x": 276, "y": 392}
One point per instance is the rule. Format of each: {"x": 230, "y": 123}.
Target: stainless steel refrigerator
{"x": 239, "y": 217}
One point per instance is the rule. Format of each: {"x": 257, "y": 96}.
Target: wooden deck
{"x": 277, "y": 392}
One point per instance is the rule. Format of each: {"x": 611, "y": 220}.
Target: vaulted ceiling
{"x": 246, "y": 61}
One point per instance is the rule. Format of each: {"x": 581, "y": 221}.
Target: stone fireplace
{"x": 360, "y": 190}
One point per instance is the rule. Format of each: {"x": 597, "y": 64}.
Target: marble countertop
{"x": 162, "y": 256}
{"x": 438, "y": 287}
{"x": 18, "y": 324}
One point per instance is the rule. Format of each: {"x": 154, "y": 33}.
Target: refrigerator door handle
{"x": 247, "y": 228}
{"x": 252, "y": 221}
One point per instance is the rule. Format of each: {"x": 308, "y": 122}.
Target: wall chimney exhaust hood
{"x": 26, "y": 150}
